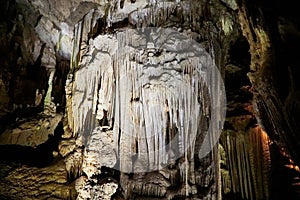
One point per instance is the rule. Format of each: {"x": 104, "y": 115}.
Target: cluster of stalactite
{"x": 249, "y": 163}
{"x": 158, "y": 92}
{"x": 142, "y": 99}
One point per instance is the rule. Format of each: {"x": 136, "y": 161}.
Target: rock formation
{"x": 126, "y": 99}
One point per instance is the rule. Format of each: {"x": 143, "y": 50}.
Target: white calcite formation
{"x": 101, "y": 191}
{"x": 101, "y": 144}
{"x": 142, "y": 98}
{"x": 152, "y": 91}
{"x": 148, "y": 102}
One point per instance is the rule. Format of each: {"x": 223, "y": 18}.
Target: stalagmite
{"x": 48, "y": 97}
{"x": 48, "y": 60}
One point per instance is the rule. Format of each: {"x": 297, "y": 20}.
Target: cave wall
{"x": 268, "y": 29}
{"x": 64, "y": 63}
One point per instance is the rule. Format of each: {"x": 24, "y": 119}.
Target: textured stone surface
{"x": 88, "y": 189}
{"x": 231, "y": 4}
{"x": 99, "y": 153}
{"x": 95, "y": 74}
{"x": 159, "y": 86}
{"x": 38, "y": 38}
{"x": 31, "y": 133}
{"x": 23, "y": 182}
{"x": 4, "y": 98}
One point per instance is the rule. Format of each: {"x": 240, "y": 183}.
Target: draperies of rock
{"x": 111, "y": 89}
{"x": 152, "y": 97}
{"x": 249, "y": 163}
{"x": 100, "y": 90}
{"x": 116, "y": 101}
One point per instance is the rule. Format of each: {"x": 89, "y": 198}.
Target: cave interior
{"x": 149, "y": 99}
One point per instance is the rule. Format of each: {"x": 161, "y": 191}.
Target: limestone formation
{"x": 23, "y": 182}
{"x": 124, "y": 99}
{"x": 30, "y": 133}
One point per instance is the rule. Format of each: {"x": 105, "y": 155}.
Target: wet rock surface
{"x": 76, "y": 106}
{"x": 25, "y": 182}
{"x": 31, "y": 133}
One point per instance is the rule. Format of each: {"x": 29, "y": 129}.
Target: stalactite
{"x": 249, "y": 163}
{"x": 48, "y": 97}
{"x": 225, "y": 173}
{"x": 82, "y": 30}
{"x": 76, "y": 46}
{"x": 157, "y": 90}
